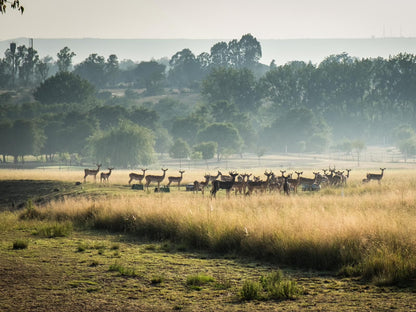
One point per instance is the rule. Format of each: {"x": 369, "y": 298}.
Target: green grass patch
{"x": 198, "y": 280}
{"x": 272, "y": 286}
{"x": 48, "y": 230}
{"x": 122, "y": 270}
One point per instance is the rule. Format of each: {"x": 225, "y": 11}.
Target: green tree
{"x": 112, "y": 70}
{"x": 64, "y": 87}
{"x": 29, "y": 61}
{"x": 186, "y": 128}
{"x": 92, "y": 69}
{"x": 225, "y": 135}
{"x": 6, "y": 140}
{"x": 180, "y": 150}
{"x": 150, "y": 75}
{"x": 206, "y": 149}
{"x": 184, "y": 69}
{"x": 64, "y": 62}
{"x": 27, "y": 139}
{"x": 127, "y": 145}
{"x": 236, "y": 86}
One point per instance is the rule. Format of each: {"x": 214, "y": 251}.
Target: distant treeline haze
{"x": 214, "y": 104}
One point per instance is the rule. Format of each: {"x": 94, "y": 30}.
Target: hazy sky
{"x": 213, "y": 19}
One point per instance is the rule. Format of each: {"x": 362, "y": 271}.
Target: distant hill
{"x": 282, "y": 51}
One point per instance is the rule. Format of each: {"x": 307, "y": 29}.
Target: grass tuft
{"x": 54, "y": 230}
{"x": 272, "y": 286}
{"x": 123, "y": 271}
{"x": 20, "y": 244}
{"x": 196, "y": 281}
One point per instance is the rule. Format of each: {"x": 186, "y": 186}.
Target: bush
{"x": 250, "y": 291}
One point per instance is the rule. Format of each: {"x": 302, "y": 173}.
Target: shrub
{"x": 30, "y": 212}
{"x": 250, "y": 291}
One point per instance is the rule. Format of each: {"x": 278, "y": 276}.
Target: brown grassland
{"x": 107, "y": 247}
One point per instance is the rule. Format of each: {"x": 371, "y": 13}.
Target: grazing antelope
{"x": 92, "y": 172}
{"x": 136, "y": 176}
{"x": 176, "y": 179}
{"x": 155, "y": 178}
{"x": 225, "y": 185}
{"x": 105, "y": 175}
{"x": 375, "y": 176}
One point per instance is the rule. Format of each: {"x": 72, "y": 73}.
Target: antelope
{"x": 213, "y": 178}
{"x": 295, "y": 182}
{"x": 105, "y": 175}
{"x": 241, "y": 184}
{"x": 375, "y": 176}
{"x": 259, "y": 185}
{"x": 345, "y": 177}
{"x": 176, "y": 179}
{"x": 286, "y": 186}
{"x": 92, "y": 172}
{"x": 200, "y": 186}
{"x": 136, "y": 176}
{"x": 225, "y": 185}
{"x": 155, "y": 178}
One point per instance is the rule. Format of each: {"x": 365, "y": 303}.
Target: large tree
{"x": 150, "y": 75}
{"x": 225, "y": 135}
{"x": 127, "y": 145}
{"x": 64, "y": 61}
{"x": 64, "y": 87}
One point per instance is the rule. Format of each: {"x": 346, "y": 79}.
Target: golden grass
{"x": 365, "y": 229}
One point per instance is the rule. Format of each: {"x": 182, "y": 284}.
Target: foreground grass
{"x": 97, "y": 271}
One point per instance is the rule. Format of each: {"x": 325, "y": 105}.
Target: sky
{"x": 213, "y": 19}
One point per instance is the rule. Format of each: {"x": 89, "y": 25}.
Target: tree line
{"x": 211, "y": 105}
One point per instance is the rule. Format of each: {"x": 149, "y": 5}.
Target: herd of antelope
{"x": 245, "y": 183}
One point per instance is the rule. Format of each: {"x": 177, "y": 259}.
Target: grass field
{"x": 108, "y": 247}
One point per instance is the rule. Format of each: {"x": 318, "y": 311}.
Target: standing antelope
{"x": 105, "y": 175}
{"x": 92, "y": 172}
{"x": 212, "y": 178}
{"x": 225, "y": 185}
{"x": 176, "y": 179}
{"x": 136, "y": 176}
{"x": 375, "y": 176}
{"x": 286, "y": 186}
{"x": 200, "y": 186}
{"x": 295, "y": 182}
{"x": 155, "y": 178}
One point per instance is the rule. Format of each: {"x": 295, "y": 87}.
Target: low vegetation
{"x": 361, "y": 232}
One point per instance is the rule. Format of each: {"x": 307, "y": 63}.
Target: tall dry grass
{"x": 361, "y": 229}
